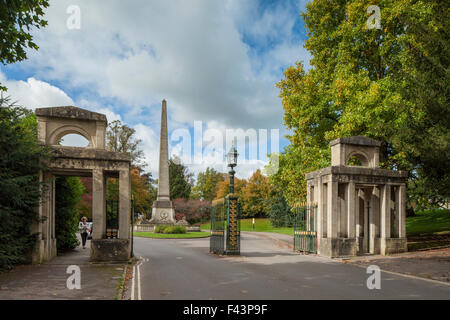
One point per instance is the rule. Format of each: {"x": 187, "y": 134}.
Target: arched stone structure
{"x": 360, "y": 209}
{"x": 92, "y": 161}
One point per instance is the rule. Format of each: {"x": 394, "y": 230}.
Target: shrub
{"x": 175, "y": 230}
{"x": 69, "y": 191}
{"x": 160, "y": 229}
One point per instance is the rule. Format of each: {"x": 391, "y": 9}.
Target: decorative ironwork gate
{"x": 218, "y": 213}
{"x": 112, "y": 219}
{"x": 225, "y": 226}
{"x": 305, "y": 228}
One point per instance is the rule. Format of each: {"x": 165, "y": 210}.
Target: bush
{"x": 160, "y": 229}
{"x": 69, "y": 191}
{"x": 175, "y": 230}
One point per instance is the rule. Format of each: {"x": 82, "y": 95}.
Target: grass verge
{"x": 261, "y": 225}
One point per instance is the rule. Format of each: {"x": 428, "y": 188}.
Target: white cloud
{"x": 34, "y": 93}
{"x": 190, "y": 52}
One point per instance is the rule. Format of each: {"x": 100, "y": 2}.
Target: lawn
{"x": 261, "y": 225}
{"x": 172, "y": 236}
{"x": 425, "y": 222}
{"x": 429, "y": 222}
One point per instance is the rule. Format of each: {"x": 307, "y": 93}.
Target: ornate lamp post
{"x": 232, "y": 156}
{"x": 233, "y": 227}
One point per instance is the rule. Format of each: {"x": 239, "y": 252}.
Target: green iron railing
{"x": 218, "y": 215}
{"x": 305, "y": 228}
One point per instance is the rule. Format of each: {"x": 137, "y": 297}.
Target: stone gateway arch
{"x": 91, "y": 161}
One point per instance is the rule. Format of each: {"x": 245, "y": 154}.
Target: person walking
{"x": 83, "y": 227}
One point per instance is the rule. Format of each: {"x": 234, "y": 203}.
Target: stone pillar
{"x": 351, "y": 210}
{"x": 100, "y": 132}
{"x": 319, "y": 187}
{"x": 332, "y": 209}
{"x": 385, "y": 214}
{"x": 401, "y": 211}
{"x": 366, "y": 221}
{"x": 98, "y": 204}
{"x": 124, "y": 204}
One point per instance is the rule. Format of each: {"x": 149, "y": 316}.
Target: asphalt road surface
{"x": 184, "y": 269}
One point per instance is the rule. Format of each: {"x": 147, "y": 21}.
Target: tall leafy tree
{"x": 389, "y": 84}
{"x": 20, "y": 190}
{"x": 207, "y": 184}
{"x": 17, "y": 19}
{"x": 181, "y": 180}
{"x": 121, "y": 138}
{"x": 256, "y": 195}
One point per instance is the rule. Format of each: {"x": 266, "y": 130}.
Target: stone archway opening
{"x": 74, "y": 140}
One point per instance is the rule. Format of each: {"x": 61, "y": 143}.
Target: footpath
{"x": 48, "y": 281}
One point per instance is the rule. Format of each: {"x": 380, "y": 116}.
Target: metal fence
{"x": 218, "y": 218}
{"x": 305, "y": 228}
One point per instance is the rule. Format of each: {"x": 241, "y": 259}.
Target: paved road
{"x": 184, "y": 269}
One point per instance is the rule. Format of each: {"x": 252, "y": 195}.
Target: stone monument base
{"x": 163, "y": 213}
{"x": 103, "y": 250}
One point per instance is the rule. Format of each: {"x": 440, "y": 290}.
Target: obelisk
{"x": 163, "y": 212}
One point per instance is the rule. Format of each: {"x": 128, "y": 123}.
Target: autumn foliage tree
{"x": 255, "y": 196}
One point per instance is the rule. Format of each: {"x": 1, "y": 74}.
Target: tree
{"x": 280, "y": 214}
{"x": 69, "y": 191}
{"x": 121, "y": 138}
{"x": 255, "y": 196}
{"x": 17, "y": 18}
{"x": 207, "y": 183}
{"x": 223, "y": 188}
{"x": 388, "y": 84}
{"x": 180, "y": 180}
{"x": 20, "y": 190}
{"x": 193, "y": 210}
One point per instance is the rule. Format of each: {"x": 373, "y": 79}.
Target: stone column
{"x": 332, "y": 209}
{"x": 124, "y": 204}
{"x": 385, "y": 213}
{"x": 98, "y": 204}
{"x": 401, "y": 211}
{"x": 319, "y": 187}
{"x": 351, "y": 210}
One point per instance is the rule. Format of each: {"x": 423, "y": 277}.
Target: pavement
{"x": 267, "y": 269}
{"x": 48, "y": 281}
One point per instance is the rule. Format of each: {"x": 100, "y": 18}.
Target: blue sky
{"x": 213, "y": 61}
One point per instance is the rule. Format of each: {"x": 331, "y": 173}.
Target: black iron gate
{"x": 305, "y": 228}
{"x": 112, "y": 219}
{"x": 218, "y": 215}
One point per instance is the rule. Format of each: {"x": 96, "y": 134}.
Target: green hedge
{"x": 170, "y": 229}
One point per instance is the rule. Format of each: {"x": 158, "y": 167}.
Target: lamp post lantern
{"x": 232, "y": 156}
